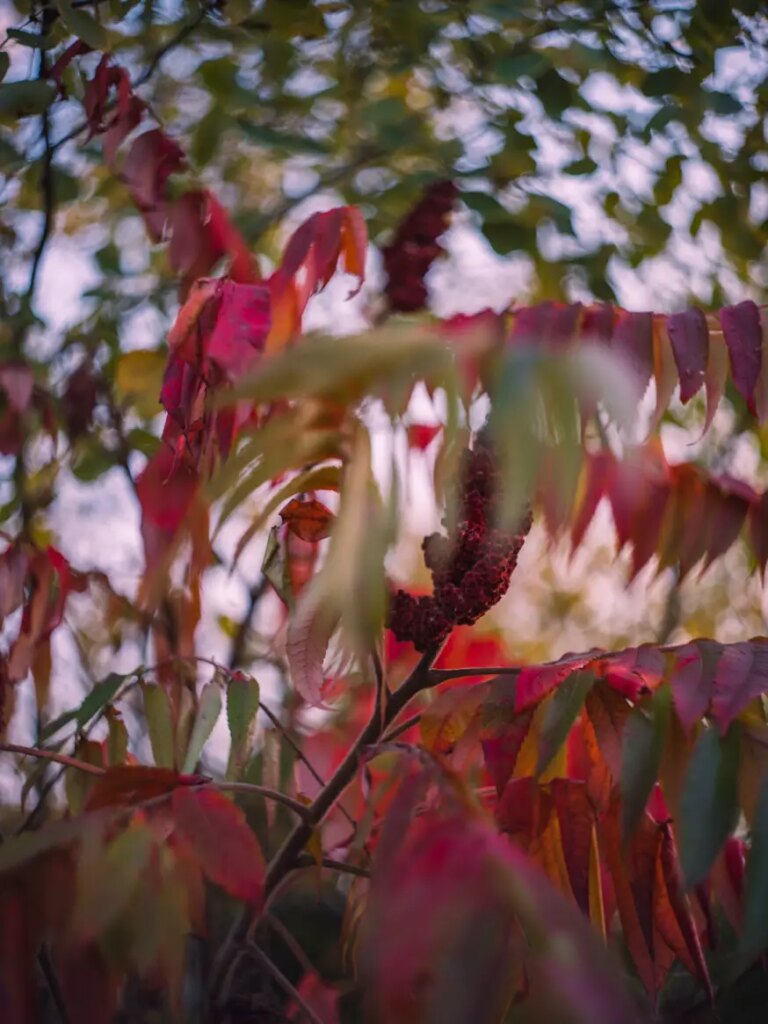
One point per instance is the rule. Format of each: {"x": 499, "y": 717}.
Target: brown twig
{"x": 51, "y": 755}
{"x": 259, "y": 954}
{"x": 152, "y": 66}
{"x": 302, "y": 810}
{"x": 285, "y": 859}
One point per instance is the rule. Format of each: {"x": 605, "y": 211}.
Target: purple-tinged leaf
{"x": 744, "y": 338}
{"x": 689, "y": 336}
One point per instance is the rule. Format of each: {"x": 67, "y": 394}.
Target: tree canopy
{"x": 374, "y": 807}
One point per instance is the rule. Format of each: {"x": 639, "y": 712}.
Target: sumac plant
{"x": 369, "y": 811}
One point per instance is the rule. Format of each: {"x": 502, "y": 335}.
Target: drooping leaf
{"x": 157, "y": 710}
{"x": 709, "y": 801}
{"x": 744, "y": 338}
{"x": 642, "y": 747}
{"x": 208, "y": 710}
{"x": 242, "y": 707}
{"x": 689, "y": 336}
{"x": 310, "y": 629}
{"x": 108, "y": 878}
{"x": 99, "y": 697}
{"x": 561, "y": 713}
{"x": 754, "y": 936}
{"x": 217, "y": 834}
{"x": 740, "y": 677}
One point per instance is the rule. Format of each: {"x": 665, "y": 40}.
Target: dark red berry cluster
{"x": 415, "y": 247}
{"x": 471, "y": 569}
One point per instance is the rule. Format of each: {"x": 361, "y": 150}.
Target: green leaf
{"x": 100, "y": 695}
{"x": 108, "y": 879}
{"x": 208, "y": 710}
{"x": 709, "y": 801}
{"x": 509, "y": 69}
{"x": 555, "y": 93}
{"x": 584, "y": 166}
{"x": 641, "y": 748}
{"x": 348, "y": 366}
{"x": 83, "y": 25}
{"x": 509, "y": 236}
{"x": 286, "y": 142}
{"x": 34, "y": 40}
{"x": 560, "y": 715}
{"x": 92, "y": 460}
{"x": 25, "y": 99}
{"x": 754, "y": 935}
{"x": 723, "y": 103}
{"x": 242, "y": 708}
{"x": 157, "y": 710}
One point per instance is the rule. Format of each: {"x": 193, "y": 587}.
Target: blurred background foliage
{"x": 604, "y": 149}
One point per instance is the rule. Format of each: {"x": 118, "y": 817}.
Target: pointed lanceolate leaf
{"x": 689, "y": 336}
{"x": 217, "y": 833}
{"x": 107, "y": 885}
{"x": 99, "y": 697}
{"x": 310, "y": 629}
{"x": 642, "y": 747}
{"x": 741, "y": 676}
{"x": 242, "y": 708}
{"x": 709, "y": 801}
{"x": 754, "y": 936}
{"x": 561, "y": 713}
{"x": 692, "y": 679}
{"x": 157, "y": 711}
{"x": 744, "y": 338}
{"x": 208, "y": 710}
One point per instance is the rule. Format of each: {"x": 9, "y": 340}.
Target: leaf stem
{"x": 51, "y": 755}
{"x": 300, "y": 809}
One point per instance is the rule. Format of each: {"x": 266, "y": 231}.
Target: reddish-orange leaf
{"x": 672, "y": 911}
{"x": 577, "y": 821}
{"x": 632, "y": 878}
{"x": 216, "y": 832}
{"x": 308, "y": 519}
{"x": 127, "y": 785}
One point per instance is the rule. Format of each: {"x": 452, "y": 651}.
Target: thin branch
{"x": 306, "y": 860}
{"x": 51, "y": 755}
{"x": 52, "y": 982}
{"x": 290, "y": 940}
{"x": 255, "y": 951}
{"x": 46, "y": 177}
{"x": 440, "y": 675}
{"x": 398, "y": 730}
{"x": 302, "y": 810}
{"x": 143, "y": 78}
{"x": 284, "y": 860}
{"x": 255, "y": 594}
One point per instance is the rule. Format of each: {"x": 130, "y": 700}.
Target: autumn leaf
{"x": 308, "y": 519}
{"x": 215, "y": 831}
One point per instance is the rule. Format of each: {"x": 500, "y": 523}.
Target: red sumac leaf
{"x": 744, "y": 338}
{"x": 127, "y": 785}
{"x": 215, "y": 830}
{"x": 689, "y": 335}
{"x": 309, "y": 520}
